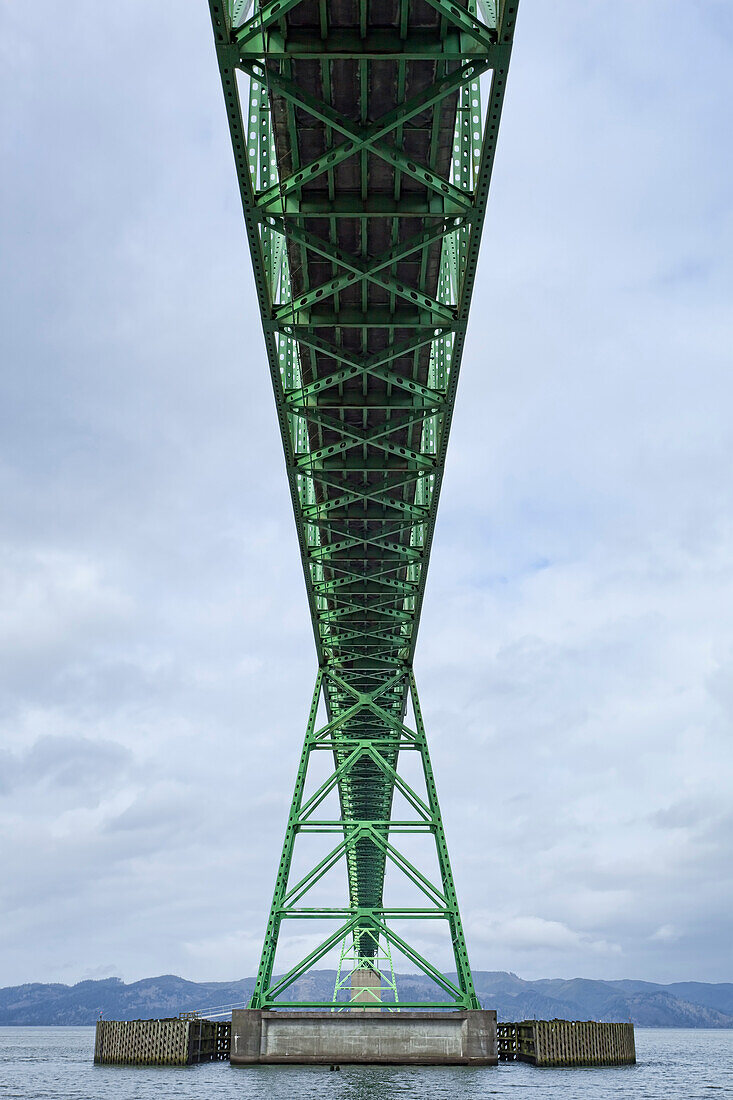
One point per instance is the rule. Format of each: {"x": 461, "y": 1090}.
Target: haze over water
{"x": 46, "y": 1063}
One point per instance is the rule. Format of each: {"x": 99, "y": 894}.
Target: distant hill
{"x": 683, "y": 1004}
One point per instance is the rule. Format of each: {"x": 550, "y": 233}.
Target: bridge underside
{"x": 364, "y": 159}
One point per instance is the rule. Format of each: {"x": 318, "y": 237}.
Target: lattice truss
{"x": 364, "y": 159}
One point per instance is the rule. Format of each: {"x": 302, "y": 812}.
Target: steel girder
{"x": 364, "y": 160}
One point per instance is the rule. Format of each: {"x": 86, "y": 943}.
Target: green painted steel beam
{"x": 378, "y": 44}
{"x": 364, "y": 158}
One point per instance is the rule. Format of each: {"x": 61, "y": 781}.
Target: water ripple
{"x": 38, "y": 1063}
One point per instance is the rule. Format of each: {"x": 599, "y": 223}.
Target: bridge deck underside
{"x": 368, "y": 624}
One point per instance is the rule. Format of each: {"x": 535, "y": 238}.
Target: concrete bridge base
{"x": 387, "y": 1038}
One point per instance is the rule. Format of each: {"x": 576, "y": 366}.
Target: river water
{"x": 55, "y": 1063}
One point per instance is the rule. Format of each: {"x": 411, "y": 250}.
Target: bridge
{"x": 364, "y": 134}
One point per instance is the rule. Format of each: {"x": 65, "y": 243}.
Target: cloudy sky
{"x": 576, "y": 654}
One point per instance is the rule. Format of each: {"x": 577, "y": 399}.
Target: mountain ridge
{"x": 647, "y": 1004}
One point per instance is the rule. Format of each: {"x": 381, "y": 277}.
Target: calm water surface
{"x": 56, "y": 1063}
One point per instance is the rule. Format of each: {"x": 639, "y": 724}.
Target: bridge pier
{"x": 366, "y": 990}
{"x": 353, "y": 1036}
{"x": 387, "y": 1038}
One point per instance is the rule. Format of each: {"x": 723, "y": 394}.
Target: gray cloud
{"x": 72, "y": 767}
{"x": 576, "y": 656}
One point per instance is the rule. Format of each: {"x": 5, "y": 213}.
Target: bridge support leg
{"x": 366, "y": 741}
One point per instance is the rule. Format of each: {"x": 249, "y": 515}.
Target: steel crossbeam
{"x": 364, "y": 159}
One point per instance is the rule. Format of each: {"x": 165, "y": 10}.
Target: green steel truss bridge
{"x": 364, "y": 134}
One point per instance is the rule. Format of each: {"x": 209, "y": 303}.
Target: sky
{"x": 576, "y": 650}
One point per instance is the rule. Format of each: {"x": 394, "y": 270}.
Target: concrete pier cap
{"x": 386, "y": 1038}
